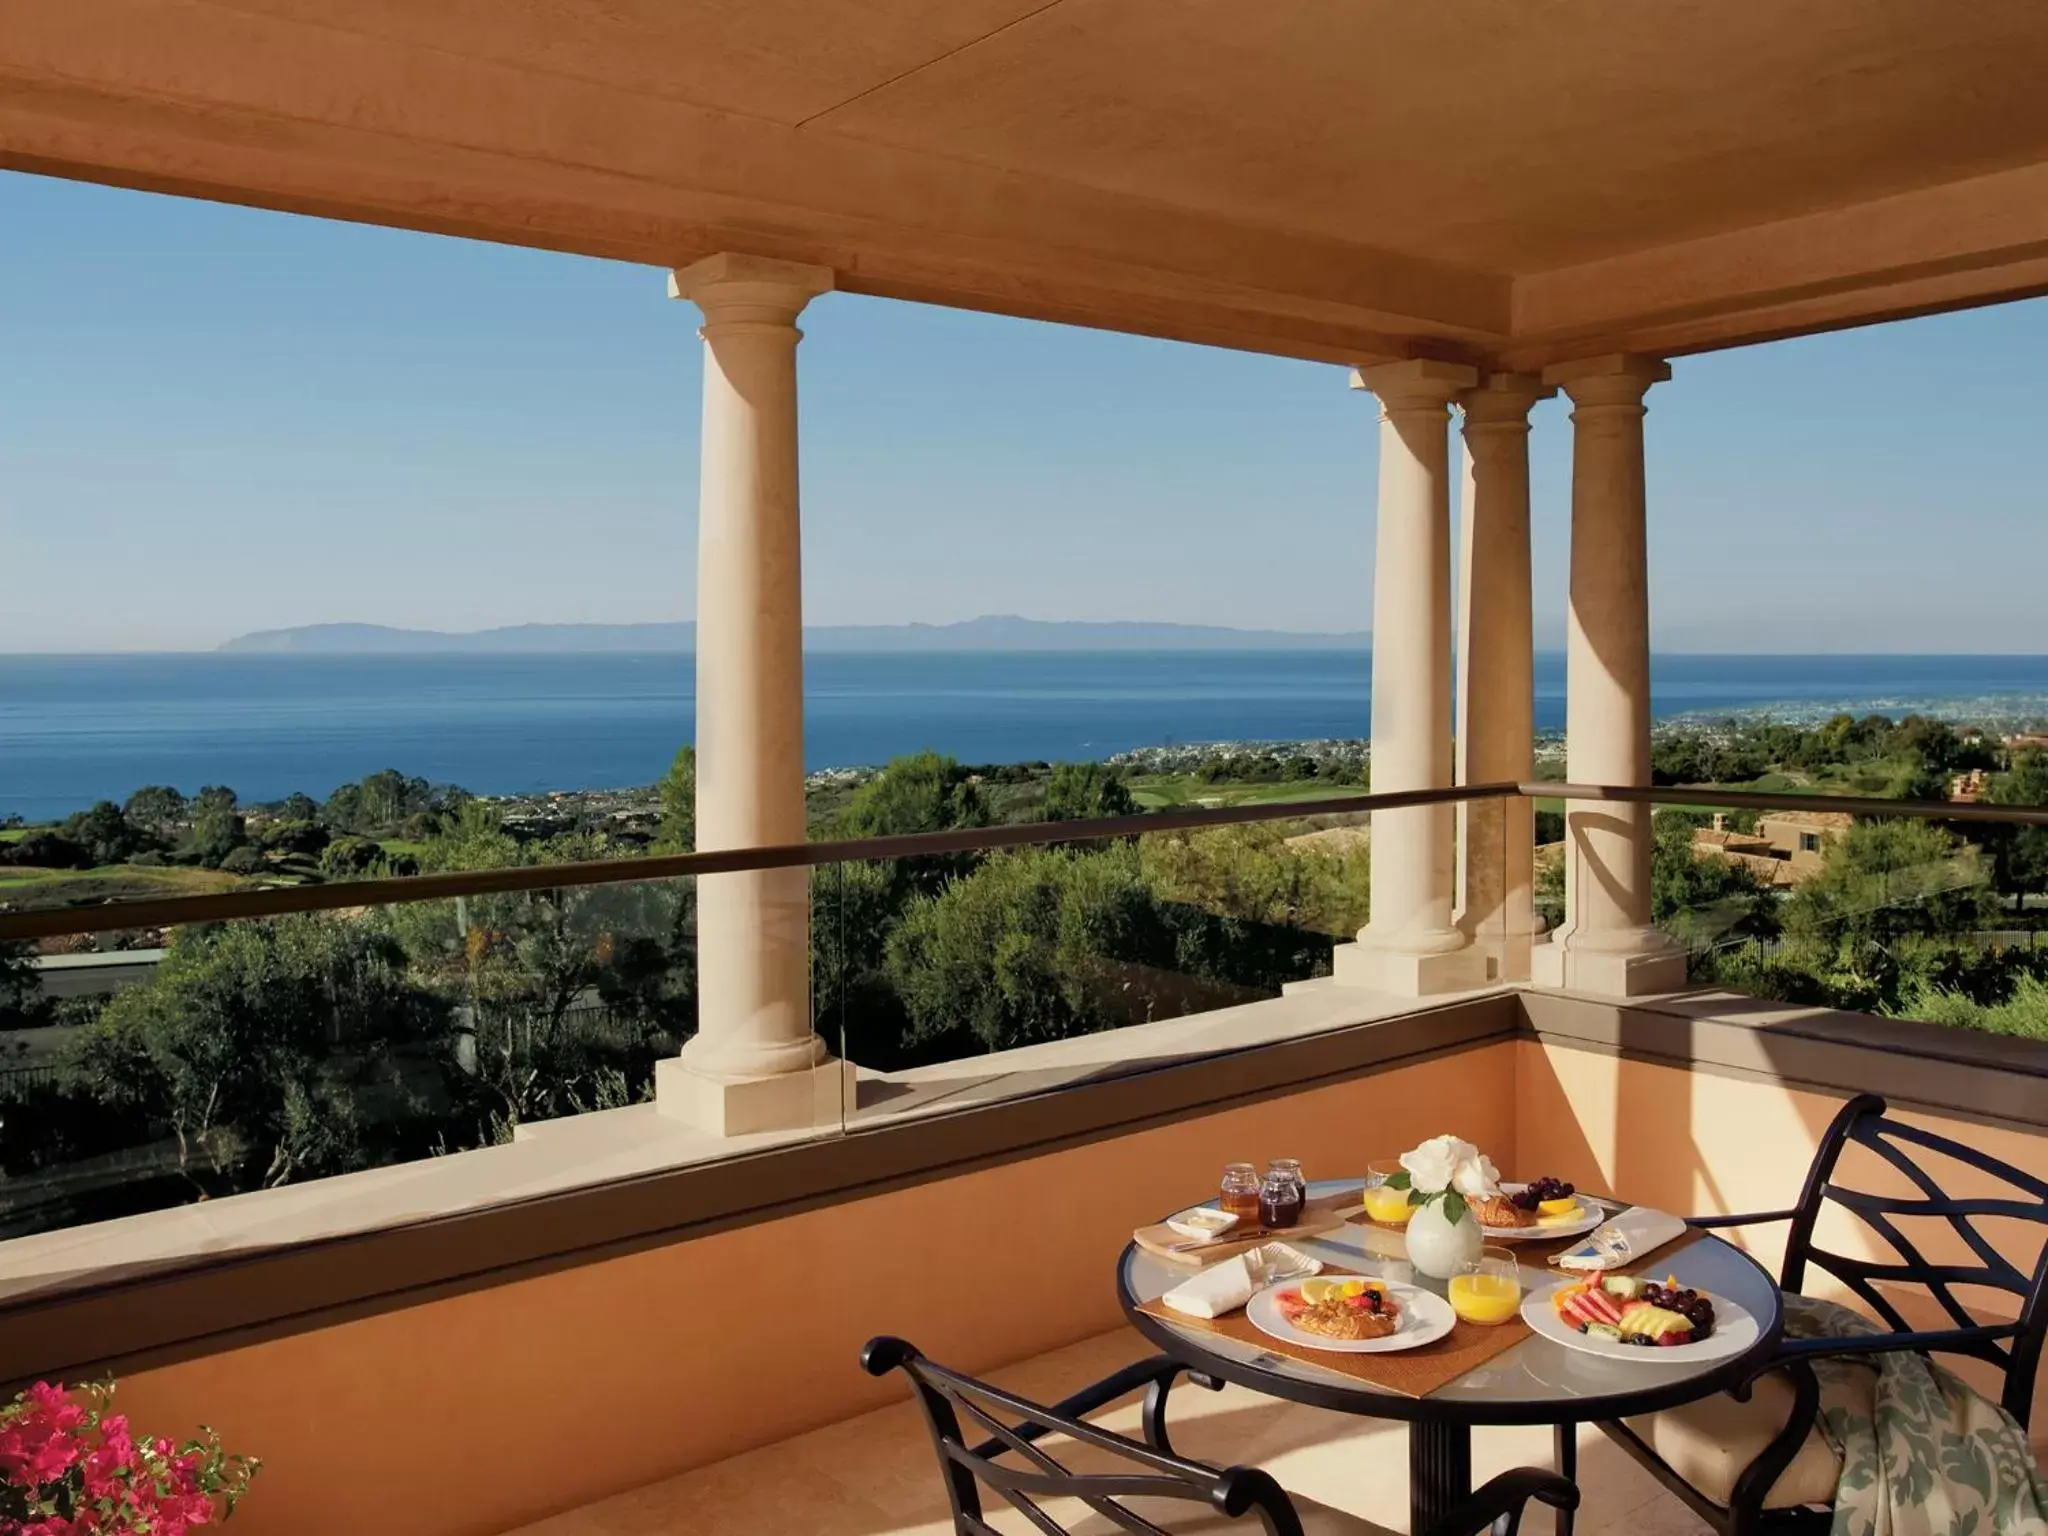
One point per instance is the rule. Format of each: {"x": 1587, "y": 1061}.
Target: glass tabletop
{"x": 1535, "y": 1381}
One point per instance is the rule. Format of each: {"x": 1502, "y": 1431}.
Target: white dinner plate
{"x": 1734, "y": 1331}
{"x": 1589, "y": 1217}
{"x": 1425, "y": 1318}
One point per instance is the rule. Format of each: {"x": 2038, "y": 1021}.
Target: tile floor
{"x": 876, "y": 1475}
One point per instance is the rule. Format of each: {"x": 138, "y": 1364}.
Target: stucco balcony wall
{"x": 480, "y": 1403}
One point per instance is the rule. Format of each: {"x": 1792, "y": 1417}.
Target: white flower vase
{"x": 1437, "y": 1245}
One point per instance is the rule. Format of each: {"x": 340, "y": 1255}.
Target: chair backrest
{"x": 1013, "y": 1463}
{"x": 2010, "y": 1194}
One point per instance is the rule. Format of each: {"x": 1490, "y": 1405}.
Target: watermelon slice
{"x": 1588, "y": 1305}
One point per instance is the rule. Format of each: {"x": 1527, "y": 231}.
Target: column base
{"x": 1404, "y": 974}
{"x": 1561, "y": 967}
{"x": 821, "y": 1097}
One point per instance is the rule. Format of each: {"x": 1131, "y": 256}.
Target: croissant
{"x": 1497, "y": 1210}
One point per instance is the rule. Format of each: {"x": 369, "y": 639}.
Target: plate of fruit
{"x": 1351, "y": 1314}
{"x": 1544, "y": 1208}
{"x": 1628, "y": 1318}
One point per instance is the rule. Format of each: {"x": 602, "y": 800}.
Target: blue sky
{"x": 214, "y": 420}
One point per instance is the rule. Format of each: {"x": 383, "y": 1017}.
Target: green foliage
{"x": 1255, "y": 874}
{"x": 2023, "y": 1012}
{"x": 1024, "y": 949}
{"x": 2019, "y": 855}
{"x": 104, "y": 833}
{"x": 228, "y": 1044}
{"x": 304, "y": 838}
{"x": 922, "y": 793}
{"x": 385, "y": 801}
{"x": 678, "y": 790}
{"x": 157, "y": 810}
{"x": 298, "y": 807}
{"x": 1888, "y": 879}
{"x": 1700, "y": 898}
{"x": 216, "y": 832}
{"x": 22, "y": 1003}
{"x": 44, "y": 850}
{"x": 1086, "y": 792}
{"x": 351, "y": 858}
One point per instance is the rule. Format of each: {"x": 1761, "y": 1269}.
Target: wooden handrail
{"x": 276, "y": 901}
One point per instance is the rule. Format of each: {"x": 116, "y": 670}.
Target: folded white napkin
{"x": 1227, "y": 1286}
{"x": 1635, "y": 1234}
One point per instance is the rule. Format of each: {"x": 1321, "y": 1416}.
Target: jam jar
{"x": 1281, "y": 1195}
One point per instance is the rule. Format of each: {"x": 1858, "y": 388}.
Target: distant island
{"x": 992, "y": 633}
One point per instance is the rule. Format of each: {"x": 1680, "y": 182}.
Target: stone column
{"x": 1411, "y": 946}
{"x": 1607, "y": 944}
{"x": 755, "y": 1062}
{"x": 1496, "y": 672}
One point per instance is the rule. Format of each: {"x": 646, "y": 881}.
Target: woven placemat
{"x": 1408, "y": 1372}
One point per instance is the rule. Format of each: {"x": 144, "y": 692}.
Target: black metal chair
{"x": 1752, "y": 1461}
{"x": 1138, "y": 1484}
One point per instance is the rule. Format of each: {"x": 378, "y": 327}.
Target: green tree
{"x": 230, "y": 1045}
{"x": 678, "y": 788}
{"x": 157, "y": 810}
{"x": 216, "y": 832}
{"x": 1888, "y": 879}
{"x": 343, "y": 810}
{"x": 213, "y": 797}
{"x": 298, "y": 807}
{"x": 1026, "y": 948}
{"x": 104, "y": 833}
{"x": 304, "y": 838}
{"x": 922, "y": 793}
{"x": 1698, "y": 897}
{"x": 22, "y": 1004}
{"x": 1086, "y": 791}
{"x": 2019, "y": 855}
{"x": 1259, "y": 874}
{"x": 351, "y": 858}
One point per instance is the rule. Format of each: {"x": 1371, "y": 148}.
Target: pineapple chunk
{"x": 1654, "y": 1322}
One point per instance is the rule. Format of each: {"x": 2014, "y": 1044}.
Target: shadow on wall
{"x": 1697, "y": 1142}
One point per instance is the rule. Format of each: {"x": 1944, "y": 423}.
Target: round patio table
{"x": 1537, "y": 1381}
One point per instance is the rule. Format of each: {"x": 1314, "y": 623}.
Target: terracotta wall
{"x": 1702, "y": 1143}
{"x": 484, "y": 1411}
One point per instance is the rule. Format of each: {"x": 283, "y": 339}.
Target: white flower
{"x": 1449, "y": 1162}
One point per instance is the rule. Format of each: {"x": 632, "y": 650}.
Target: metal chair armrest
{"x": 1154, "y": 1375}
{"x": 1503, "y": 1500}
{"x": 1747, "y": 1219}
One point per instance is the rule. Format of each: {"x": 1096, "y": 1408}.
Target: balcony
{"x": 629, "y": 1296}
{"x": 612, "y": 1321}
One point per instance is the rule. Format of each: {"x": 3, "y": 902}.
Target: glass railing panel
{"x": 1905, "y": 916}
{"x": 263, "y": 1053}
{"x": 237, "y": 1048}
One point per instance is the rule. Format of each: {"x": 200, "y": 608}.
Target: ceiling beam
{"x": 1975, "y": 241}
{"x": 196, "y": 98}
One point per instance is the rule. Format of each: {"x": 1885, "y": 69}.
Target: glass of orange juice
{"x": 1487, "y": 1290}
{"x": 1385, "y": 1201}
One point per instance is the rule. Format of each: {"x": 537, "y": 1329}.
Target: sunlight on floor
{"x": 876, "y": 1475}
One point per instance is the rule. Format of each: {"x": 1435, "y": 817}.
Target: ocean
{"x": 74, "y": 729}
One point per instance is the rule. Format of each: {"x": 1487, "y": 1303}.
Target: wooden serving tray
{"x": 1323, "y": 1213}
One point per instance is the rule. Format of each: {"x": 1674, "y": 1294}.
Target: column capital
{"x": 733, "y": 287}
{"x": 1503, "y": 400}
{"x": 1620, "y": 378}
{"x": 1415, "y": 383}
